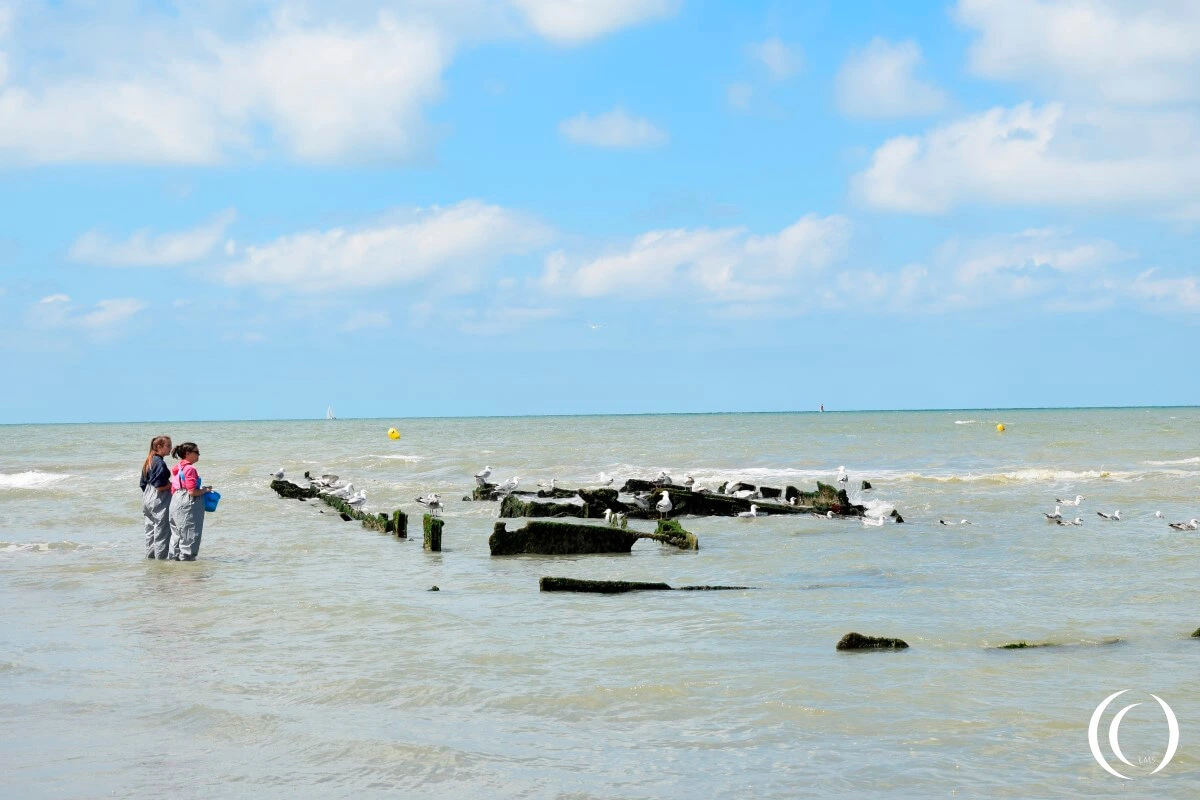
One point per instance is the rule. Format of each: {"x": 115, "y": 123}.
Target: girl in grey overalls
{"x": 187, "y": 506}
{"x": 156, "y": 498}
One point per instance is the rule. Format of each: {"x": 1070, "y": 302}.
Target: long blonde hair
{"x": 157, "y": 441}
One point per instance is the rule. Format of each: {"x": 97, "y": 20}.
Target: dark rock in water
{"x": 467, "y": 498}
{"x": 399, "y": 524}
{"x": 345, "y": 517}
{"x": 1196, "y": 634}
{"x": 856, "y": 641}
{"x": 1021, "y": 645}
{"x": 433, "y": 533}
{"x": 544, "y": 537}
{"x": 598, "y": 500}
{"x": 434, "y": 589}
{"x": 866, "y": 486}
{"x": 485, "y": 491}
{"x": 668, "y": 531}
{"x": 548, "y": 584}
{"x": 896, "y": 516}
{"x": 770, "y": 493}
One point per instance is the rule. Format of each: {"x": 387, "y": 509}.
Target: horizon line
{"x": 614, "y": 414}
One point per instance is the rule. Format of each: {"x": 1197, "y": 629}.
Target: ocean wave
{"x": 1175, "y": 463}
{"x": 30, "y": 479}
{"x": 966, "y": 422}
{"x": 45, "y": 547}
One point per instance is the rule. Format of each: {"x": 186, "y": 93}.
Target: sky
{"x": 255, "y": 210}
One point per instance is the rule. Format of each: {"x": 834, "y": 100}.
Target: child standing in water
{"x": 187, "y": 504}
{"x": 156, "y": 498}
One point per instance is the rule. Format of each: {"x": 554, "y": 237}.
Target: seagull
{"x": 509, "y": 486}
{"x": 357, "y": 500}
{"x": 664, "y": 505}
{"x": 641, "y": 502}
{"x": 1066, "y": 523}
{"x": 1158, "y": 515}
{"x": 873, "y": 522}
{"x": 689, "y": 481}
{"x": 621, "y": 520}
{"x": 1185, "y": 526}
{"x": 828, "y": 514}
{"x": 432, "y": 501}
{"x": 327, "y": 481}
{"x": 1113, "y": 517}
{"x": 753, "y": 512}
{"x": 608, "y": 516}
{"x": 842, "y": 477}
{"x": 663, "y": 477}
{"x": 1078, "y": 498}
{"x": 342, "y": 493}
{"x": 1055, "y": 517}
{"x": 605, "y": 479}
{"x": 729, "y": 487}
{"x": 482, "y": 476}
{"x": 746, "y": 494}
{"x": 551, "y": 485}
{"x": 960, "y": 522}
{"x": 278, "y": 474}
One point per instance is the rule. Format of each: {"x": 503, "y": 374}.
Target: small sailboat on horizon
{"x": 329, "y": 413}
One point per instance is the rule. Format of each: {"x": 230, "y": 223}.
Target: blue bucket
{"x": 210, "y": 501}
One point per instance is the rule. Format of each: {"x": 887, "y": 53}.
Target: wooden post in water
{"x": 433, "y": 533}
{"x": 400, "y": 524}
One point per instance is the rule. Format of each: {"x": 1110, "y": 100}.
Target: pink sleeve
{"x": 188, "y": 477}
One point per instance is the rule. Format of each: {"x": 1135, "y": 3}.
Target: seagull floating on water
{"x": 664, "y": 505}
{"x": 1185, "y": 526}
{"x": 950, "y": 522}
{"x": 433, "y": 502}
{"x": 1055, "y": 517}
{"x": 1067, "y": 523}
{"x": 482, "y": 476}
{"x": 1113, "y": 517}
{"x": 1158, "y": 515}
{"x": 1078, "y": 499}
{"x": 753, "y": 512}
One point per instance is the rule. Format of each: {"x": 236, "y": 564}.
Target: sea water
{"x": 305, "y": 656}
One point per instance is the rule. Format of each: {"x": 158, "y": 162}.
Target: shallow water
{"x": 301, "y": 651}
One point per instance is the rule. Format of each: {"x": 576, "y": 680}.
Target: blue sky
{"x": 417, "y": 208}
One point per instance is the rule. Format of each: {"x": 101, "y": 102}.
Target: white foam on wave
{"x": 45, "y": 547}
{"x": 30, "y": 479}
{"x": 1175, "y": 463}
{"x": 877, "y": 508}
{"x": 966, "y": 422}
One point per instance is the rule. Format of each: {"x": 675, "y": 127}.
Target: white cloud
{"x": 738, "y": 95}
{"x": 878, "y": 81}
{"x": 614, "y": 128}
{"x": 1167, "y": 294}
{"x": 1040, "y": 156}
{"x": 320, "y": 93}
{"x": 143, "y": 249}
{"x": 728, "y": 264}
{"x": 780, "y": 60}
{"x": 57, "y": 311}
{"x": 574, "y": 21}
{"x": 1028, "y": 251}
{"x": 455, "y": 244}
{"x": 1137, "y": 53}
{"x": 367, "y": 319}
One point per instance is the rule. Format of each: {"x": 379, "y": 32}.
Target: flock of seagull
{"x": 331, "y": 485}
{"x": 1058, "y": 519}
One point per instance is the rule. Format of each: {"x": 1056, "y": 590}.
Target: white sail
{"x": 329, "y": 413}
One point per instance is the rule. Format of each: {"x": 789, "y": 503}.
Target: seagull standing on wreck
{"x": 278, "y": 474}
{"x": 663, "y": 478}
{"x": 842, "y": 478}
{"x": 509, "y": 486}
{"x": 664, "y": 505}
{"x": 689, "y": 481}
{"x": 433, "y": 502}
{"x": 551, "y": 486}
{"x": 482, "y": 476}
{"x": 357, "y": 500}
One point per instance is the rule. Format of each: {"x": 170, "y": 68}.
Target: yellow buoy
{"x": 999, "y": 427}
{"x": 393, "y": 433}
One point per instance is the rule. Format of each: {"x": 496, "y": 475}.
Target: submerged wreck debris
{"x": 856, "y": 641}
{"x": 542, "y": 537}
{"x": 548, "y": 584}
{"x": 433, "y": 533}
{"x": 397, "y": 523}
